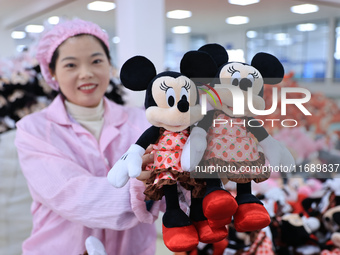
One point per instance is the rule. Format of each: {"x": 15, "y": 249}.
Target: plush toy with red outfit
{"x": 172, "y": 106}
{"x": 231, "y": 141}
{"x": 297, "y": 233}
{"x": 331, "y": 221}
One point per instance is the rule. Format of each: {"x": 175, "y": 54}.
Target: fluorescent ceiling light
{"x": 251, "y": 34}
{"x": 281, "y": 36}
{"x": 178, "y": 14}
{"x": 101, "y": 6}
{"x": 304, "y": 8}
{"x": 283, "y": 39}
{"x": 34, "y": 28}
{"x": 53, "y": 20}
{"x": 18, "y": 35}
{"x": 306, "y": 27}
{"x": 286, "y": 42}
{"x": 116, "y": 39}
{"x": 237, "y": 20}
{"x": 243, "y": 2}
{"x": 181, "y": 30}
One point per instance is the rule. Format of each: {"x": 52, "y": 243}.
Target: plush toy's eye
{"x": 170, "y": 97}
{"x": 184, "y": 94}
{"x": 251, "y": 78}
{"x": 235, "y": 78}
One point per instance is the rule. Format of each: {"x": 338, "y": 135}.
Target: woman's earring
{"x": 53, "y": 78}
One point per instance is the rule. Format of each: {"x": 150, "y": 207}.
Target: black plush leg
{"x": 179, "y": 234}
{"x": 173, "y": 216}
{"x": 244, "y": 194}
{"x": 196, "y": 210}
{"x": 213, "y": 183}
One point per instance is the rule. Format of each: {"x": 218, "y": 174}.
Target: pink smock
{"x": 66, "y": 169}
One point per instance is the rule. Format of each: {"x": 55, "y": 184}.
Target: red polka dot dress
{"x": 166, "y": 169}
{"x": 167, "y": 152}
{"x": 233, "y": 147}
{"x": 261, "y": 246}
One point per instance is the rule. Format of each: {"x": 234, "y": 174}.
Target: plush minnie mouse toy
{"x": 231, "y": 143}
{"x": 171, "y": 104}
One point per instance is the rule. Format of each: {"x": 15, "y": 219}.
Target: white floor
{"x": 161, "y": 249}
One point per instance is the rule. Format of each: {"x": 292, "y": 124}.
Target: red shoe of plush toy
{"x": 218, "y": 207}
{"x": 179, "y": 239}
{"x": 216, "y": 224}
{"x": 251, "y": 217}
{"x": 208, "y": 235}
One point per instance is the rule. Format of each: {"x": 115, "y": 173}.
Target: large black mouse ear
{"x": 269, "y": 66}
{"x": 196, "y": 64}
{"x": 137, "y": 72}
{"x": 217, "y": 52}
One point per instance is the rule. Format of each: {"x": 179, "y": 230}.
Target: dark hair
{"x": 52, "y": 64}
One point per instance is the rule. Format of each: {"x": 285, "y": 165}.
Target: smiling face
{"x": 243, "y": 77}
{"x": 176, "y": 107}
{"x": 82, "y": 70}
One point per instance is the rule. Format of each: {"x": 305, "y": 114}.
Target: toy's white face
{"x": 176, "y": 106}
{"x": 241, "y": 76}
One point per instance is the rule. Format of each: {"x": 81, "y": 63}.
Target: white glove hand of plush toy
{"x": 129, "y": 165}
{"x": 334, "y": 185}
{"x": 94, "y": 246}
{"x": 193, "y": 149}
{"x": 277, "y": 153}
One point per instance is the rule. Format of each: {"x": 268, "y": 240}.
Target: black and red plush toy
{"x": 172, "y": 107}
{"x": 231, "y": 142}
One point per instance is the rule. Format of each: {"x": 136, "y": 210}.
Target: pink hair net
{"x": 57, "y": 35}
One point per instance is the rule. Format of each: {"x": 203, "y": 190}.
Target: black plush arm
{"x": 257, "y": 130}
{"x": 206, "y": 122}
{"x": 149, "y": 136}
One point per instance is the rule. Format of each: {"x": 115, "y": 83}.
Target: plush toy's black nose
{"x": 245, "y": 84}
{"x": 183, "y": 105}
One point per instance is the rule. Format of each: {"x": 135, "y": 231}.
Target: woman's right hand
{"x": 147, "y": 158}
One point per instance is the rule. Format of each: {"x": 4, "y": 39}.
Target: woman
{"x": 67, "y": 149}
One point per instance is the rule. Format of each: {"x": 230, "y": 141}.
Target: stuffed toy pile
{"x": 20, "y": 94}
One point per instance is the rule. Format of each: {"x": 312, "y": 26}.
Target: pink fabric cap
{"x": 57, "y": 35}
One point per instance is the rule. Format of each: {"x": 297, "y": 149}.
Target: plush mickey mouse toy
{"x": 297, "y": 230}
{"x": 331, "y": 221}
{"x": 172, "y": 106}
{"x": 232, "y": 145}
